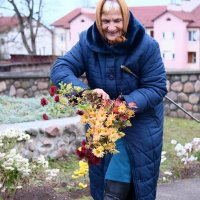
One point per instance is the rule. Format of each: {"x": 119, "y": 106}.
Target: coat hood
{"x": 134, "y": 35}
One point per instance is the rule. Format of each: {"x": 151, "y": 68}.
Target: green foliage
{"x": 15, "y": 110}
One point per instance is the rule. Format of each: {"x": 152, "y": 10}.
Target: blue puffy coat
{"x": 102, "y": 64}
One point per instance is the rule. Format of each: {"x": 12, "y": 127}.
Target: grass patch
{"x": 183, "y": 131}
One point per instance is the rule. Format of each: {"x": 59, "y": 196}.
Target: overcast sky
{"x": 55, "y": 9}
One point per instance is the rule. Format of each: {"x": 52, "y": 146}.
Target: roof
{"x": 193, "y": 18}
{"x": 145, "y": 14}
{"x": 6, "y": 23}
{"x": 65, "y": 21}
{"x": 9, "y": 22}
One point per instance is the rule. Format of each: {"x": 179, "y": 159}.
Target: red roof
{"x": 145, "y": 14}
{"x": 196, "y": 17}
{"x": 193, "y": 17}
{"x": 6, "y": 23}
{"x": 65, "y": 21}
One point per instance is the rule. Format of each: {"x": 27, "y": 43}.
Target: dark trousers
{"x": 115, "y": 190}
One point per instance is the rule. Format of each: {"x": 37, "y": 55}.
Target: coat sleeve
{"x": 152, "y": 87}
{"x": 69, "y": 68}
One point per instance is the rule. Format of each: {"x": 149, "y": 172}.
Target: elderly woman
{"x": 117, "y": 39}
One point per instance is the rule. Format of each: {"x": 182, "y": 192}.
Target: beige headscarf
{"x": 125, "y": 15}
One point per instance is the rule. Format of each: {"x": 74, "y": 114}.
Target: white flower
{"x": 188, "y": 146}
{"x": 196, "y": 140}
{"x": 168, "y": 173}
{"x": 52, "y": 172}
{"x": 173, "y": 141}
{"x": 178, "y": 147}
{"x": 41, "y": 160}
{"x": 2, "y": 155}
{"x": 192, "y": 158}
{"x": 163, "y": 159}
{"x": 184, "y": 160}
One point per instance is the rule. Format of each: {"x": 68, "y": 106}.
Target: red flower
{"x": 43, "y": 102}
{"x": 79, "y": 112}
{"x": 118, "y": 101}
{"x": 45, "y": 117}
{"x": 94, "y": 160}
{"x": 57, "y": 98}
{"x": 115, "y": 110}
{"x": 83, "y": 143}
{"x": 83, "y": 149}
{"x": 53, "y": 90}
{"x": 123, "y": 118}
{"x": 80, "y": 154}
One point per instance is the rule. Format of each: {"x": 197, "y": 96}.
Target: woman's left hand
{"x": 102, "y": 94}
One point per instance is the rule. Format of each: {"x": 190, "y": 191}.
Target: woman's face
{"x": 112, "y": 23}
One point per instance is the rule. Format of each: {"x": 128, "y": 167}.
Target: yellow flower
{"x": 69, "y": 87}
{"x": 109, "y": 146}
{"x": 82, "y": 186}
{"x": 84, "y": 118}
{"x": 101, "y": 114}
{"x": 63, "y": 100}
{"x": 131, "y": 113}
{"x": 110, "y": 119}
{"x": 122, "y": 108}
{"x": 98, "y": 152}
{"x": 96, "y": 137}
{"x": 75, "y": 177}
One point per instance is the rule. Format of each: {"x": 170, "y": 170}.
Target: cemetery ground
{"x": 66, "y": 188}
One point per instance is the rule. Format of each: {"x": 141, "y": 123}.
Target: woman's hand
{"x": 101, "y": 93}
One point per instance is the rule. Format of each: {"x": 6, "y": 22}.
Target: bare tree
{"x": 29, "y": 16}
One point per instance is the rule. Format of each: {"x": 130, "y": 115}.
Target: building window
{"x": 168, "y": 35}
{"x": 152, "y": 33}
{"x": 2, "y": 41}
{"x": 168, "y": 55}
{"x": 192, "y": 57}
{"x": 62, "y": 37}
{"x": 192, "y": 35}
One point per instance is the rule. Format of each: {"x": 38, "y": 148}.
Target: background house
{"x": 11, "y": 41}
{"x": 176, "y": 27}
{"x": 67, "y": 29}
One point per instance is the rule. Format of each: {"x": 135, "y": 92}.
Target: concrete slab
{"x": 185, "y": 189}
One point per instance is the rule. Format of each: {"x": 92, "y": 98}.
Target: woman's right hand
{"x": 101, "y": 93}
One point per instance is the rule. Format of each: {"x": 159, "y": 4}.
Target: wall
{"x": 183, "y": 88}
{"x": 25, "y": 85}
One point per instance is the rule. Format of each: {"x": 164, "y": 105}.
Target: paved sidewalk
{"x": 185, "y": 189}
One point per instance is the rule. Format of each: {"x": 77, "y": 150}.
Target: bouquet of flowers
{"x": 104, "y": 119}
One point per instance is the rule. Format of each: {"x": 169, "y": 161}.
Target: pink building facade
{"x": 175, "y": 27}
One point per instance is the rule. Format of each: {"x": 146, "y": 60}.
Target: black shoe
{"x": 115, "y": 190}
